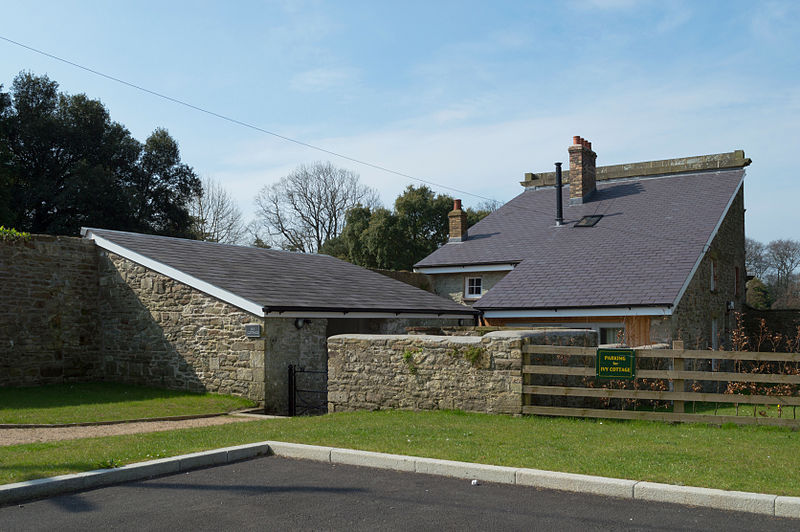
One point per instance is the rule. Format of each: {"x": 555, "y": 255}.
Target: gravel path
{"x": 33, "y": 435}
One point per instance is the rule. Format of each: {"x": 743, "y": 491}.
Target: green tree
{"x": 422, "y": 216}
{"x": 758, "y": 295}
{"x": 396, "y": 240}
{"x": 164, "y": 188}
{"x": 65, "y": 164}
{"x": 6, "y": 212}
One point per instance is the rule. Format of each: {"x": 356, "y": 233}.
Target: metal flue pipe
{"x": 559, "y": 206}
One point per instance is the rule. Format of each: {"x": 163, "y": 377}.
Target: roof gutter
{"x": 579, "y": 312}
{"x": 468, "y": 268}
{"x": 339, "y": 312}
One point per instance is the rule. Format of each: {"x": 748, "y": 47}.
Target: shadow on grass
{"x": 81, "y": 394}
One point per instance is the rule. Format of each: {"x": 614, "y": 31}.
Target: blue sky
{"x": 470, "y": 95}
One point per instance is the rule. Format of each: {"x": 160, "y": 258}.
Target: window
{"x": 473, "y": 288}
{"x": 738, "y": 281}
{"x": 612, "y": 335}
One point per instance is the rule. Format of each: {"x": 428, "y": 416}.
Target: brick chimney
{"x": 582, "y": 167}
{"x": 458, "y": 223}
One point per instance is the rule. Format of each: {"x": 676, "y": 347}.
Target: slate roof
{"x": 641, "y": 253}
{"x": 282, "y": 280}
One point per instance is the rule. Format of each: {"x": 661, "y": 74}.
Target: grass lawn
{"x": 760, "y": 459}
{"x": 105, "y": 401}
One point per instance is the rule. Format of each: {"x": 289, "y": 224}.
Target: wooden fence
{"x": 577, "y": 365}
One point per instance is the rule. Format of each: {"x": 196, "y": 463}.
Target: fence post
{"x": 678, "y": 384}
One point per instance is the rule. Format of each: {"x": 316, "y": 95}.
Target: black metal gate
{"x": 303, "y": 399}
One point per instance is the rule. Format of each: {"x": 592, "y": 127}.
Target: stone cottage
{"x": 644, "y": 252}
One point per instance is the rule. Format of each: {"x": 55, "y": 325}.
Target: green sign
{"x": 615, "y": 364}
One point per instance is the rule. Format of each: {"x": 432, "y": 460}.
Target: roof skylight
{"x": 589, "y": 221}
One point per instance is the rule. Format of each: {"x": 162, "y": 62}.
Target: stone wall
{"x": 451, "y": 285}
{"x": 691, "y": 320}
{"x": 304, "y": 347}
{"x": 420, "y": 372}
{"x": 48, "y": 311}
{"x": 159, "y": 332}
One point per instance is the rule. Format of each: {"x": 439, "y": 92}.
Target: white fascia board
{"x": 313, "y": 314}
{"x": 185, "y": 278}
{"x": 580, "y": 312}
{"x": 708, "y": 243}
{"x": 472, "y": 268}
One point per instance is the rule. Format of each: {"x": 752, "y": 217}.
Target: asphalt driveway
{"x": 275, "y": 493}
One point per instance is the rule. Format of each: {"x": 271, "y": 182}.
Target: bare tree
{"x": 755, "y": 258}
{"x": 783, "y": 257}
{"x": 306, "y": 208}
{"x": 216, "y": 216}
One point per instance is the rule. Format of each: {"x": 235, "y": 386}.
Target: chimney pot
{"x": 457, "y": 205}
{"x": 576, "y": 140}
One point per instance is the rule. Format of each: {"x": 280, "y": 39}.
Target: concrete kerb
{"x": 46, "y": 487}
{"x": 611, "y": 487}
{"x": 627, "y": 489}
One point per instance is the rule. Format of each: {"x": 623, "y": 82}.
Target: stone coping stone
{"x": 547, "y": 332}
{"x": 411, "y": 338}
{"x": 516, "y": 334}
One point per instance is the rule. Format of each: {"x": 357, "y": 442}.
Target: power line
{"x": 242, "y": 123}
{"x": 300, "y": 142}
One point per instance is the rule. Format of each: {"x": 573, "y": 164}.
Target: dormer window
{"x": 473, "y": 287}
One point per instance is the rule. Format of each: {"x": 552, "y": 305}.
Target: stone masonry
{"x": 48, "y": 311}
{"x": 305, "y": 347}
{"x": 477, "y": 374}
{"x": 157, "y": 331}
{"x": 451, "y": 285}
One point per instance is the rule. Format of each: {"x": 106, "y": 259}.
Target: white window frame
{"x": 467, "y": 294}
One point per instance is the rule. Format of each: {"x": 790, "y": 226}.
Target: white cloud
{"x": 322, "y": 79}
{"x": 488, "y": 160}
